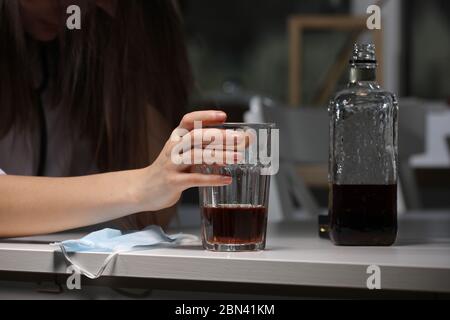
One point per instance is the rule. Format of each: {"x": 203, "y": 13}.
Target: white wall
{"x": 391, "y": 25}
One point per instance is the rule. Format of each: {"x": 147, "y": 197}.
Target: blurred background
{"x": 293, "y": 55}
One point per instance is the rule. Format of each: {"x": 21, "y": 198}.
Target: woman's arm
{"x": 30, "y": 205}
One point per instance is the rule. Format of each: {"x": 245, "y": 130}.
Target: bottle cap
{"x": 363, "y": 53}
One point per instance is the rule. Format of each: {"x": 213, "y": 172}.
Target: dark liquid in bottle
{"x": 363, "y": 215}
{"x": 234, "y": 224}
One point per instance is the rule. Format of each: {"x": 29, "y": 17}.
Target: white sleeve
{"x": 2, "y": 172}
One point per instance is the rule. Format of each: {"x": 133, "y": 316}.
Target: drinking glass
{"x": 234, "y": 217}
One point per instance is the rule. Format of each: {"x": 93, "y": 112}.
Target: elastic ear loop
{"x": 177, "y": 239}
{"x": 80, "y": 270}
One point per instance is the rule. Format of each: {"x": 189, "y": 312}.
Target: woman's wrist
{"x": 135, "y": 186}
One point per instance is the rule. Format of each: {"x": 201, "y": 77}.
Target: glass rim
{"x": 238, "y": 125}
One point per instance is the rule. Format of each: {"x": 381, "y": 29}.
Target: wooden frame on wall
{"x": 356, "y": 26}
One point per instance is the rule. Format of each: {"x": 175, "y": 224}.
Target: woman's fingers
{"x": 191, "y": 180}
{"x": 199, "y": 156}
{"x": 212, "y": 137}
{"x": 216, "y": 139}
{"x": 211, "y": 157}
{"x": 206, "y": 117}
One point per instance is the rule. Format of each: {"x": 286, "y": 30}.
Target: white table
{"x": 420, "y": 261}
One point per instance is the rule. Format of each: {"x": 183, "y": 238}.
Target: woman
{"x": 94, "y": 106}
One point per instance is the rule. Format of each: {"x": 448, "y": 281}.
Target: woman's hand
{"x": 162, "y": 183}
{"x": 57, "y": 204}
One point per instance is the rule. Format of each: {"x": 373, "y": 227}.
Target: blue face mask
{"x": 115, "y": 242}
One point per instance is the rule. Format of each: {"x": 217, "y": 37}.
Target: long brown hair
{"x": 114, "y": 76}
{"x": 124, "y": 79}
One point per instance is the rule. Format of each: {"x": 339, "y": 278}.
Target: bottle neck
{"x": 359, "y": 74}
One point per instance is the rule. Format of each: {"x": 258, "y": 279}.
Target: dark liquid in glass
{"x": 363, "y": 215}
{"x": 234, "y": 224}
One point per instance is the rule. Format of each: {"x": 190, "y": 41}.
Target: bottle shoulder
{"x": 354, "y": 95}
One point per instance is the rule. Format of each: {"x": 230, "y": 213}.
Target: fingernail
{"x": 238, "y": 136}
{"x": 221, "y": 115}
{"x": 238, "y": 157}
{"x": 227, "y": 179}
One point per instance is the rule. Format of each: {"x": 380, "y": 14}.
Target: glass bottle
{"x": 363, "y": 157}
